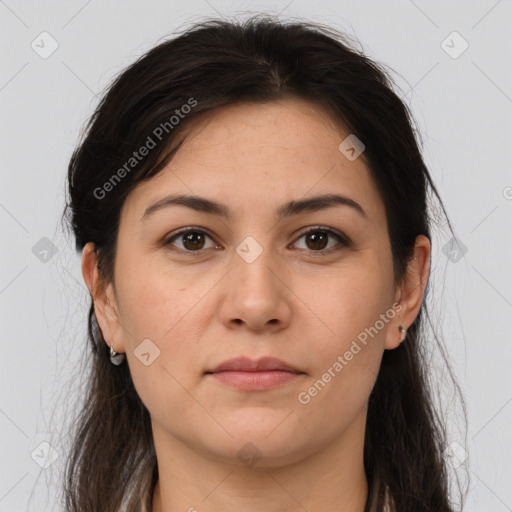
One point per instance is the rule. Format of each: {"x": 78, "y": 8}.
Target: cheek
{"x": 348, "y": 300}
{"x": 345, "y": 367}
{"x": 172, "y": 317}
{"x": 352, "y": 308}
{"x": 156, "y": 301}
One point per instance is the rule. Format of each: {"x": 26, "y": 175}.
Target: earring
{"x": 116, "y": 358}
{"x": 403, "y": 333}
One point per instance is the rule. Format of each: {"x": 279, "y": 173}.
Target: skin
{"x": 291, "y": 303}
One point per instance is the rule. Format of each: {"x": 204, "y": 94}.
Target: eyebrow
{"x": 202, "y": 204}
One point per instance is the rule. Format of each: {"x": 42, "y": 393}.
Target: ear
{"x": 410, "y": 292}
{"x": 105, "y": 304}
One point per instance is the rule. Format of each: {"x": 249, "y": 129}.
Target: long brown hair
{"x": 112, "y": 465}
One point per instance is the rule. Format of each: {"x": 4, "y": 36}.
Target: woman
{"x": 250, "y": 204}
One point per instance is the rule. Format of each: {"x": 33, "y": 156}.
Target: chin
{"x": 257, "y": 449}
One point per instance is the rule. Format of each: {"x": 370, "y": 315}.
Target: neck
{"x": 332, "y": 480}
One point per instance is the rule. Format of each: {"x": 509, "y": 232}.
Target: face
{"x": 311, "y": 286}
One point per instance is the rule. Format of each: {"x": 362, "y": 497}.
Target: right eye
{"x": 191, "y": 240}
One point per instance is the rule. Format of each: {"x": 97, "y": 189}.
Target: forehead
{"x": 260, "y": 155}
{"x": 292, "y": 127}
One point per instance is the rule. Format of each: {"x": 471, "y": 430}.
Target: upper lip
{"x": 245, "y": 364}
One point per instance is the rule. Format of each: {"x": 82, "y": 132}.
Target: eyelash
{"x": 344, "y": 241}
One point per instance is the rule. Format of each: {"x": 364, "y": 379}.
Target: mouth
{"x": 254, "y": 375}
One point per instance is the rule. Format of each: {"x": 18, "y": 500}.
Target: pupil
{"x": 321, "y": 239}
{"x": 192, "y": 238}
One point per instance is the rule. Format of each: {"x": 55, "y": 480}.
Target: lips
{"x": 245, "y": 364}
{"x": 249, "y": 375}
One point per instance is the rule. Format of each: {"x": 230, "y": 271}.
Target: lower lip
{"x": 255, "y": 381}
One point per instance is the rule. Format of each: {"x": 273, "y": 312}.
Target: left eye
{"x": 193, "y": 240}
{"x": 317, "y": 239}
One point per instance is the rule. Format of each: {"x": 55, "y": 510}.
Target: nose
{"x": 257, "y": 296}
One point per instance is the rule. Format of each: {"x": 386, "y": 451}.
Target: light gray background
{"x": 463, "y": 106}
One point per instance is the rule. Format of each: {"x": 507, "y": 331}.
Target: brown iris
{"x": 318, "y": 239}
